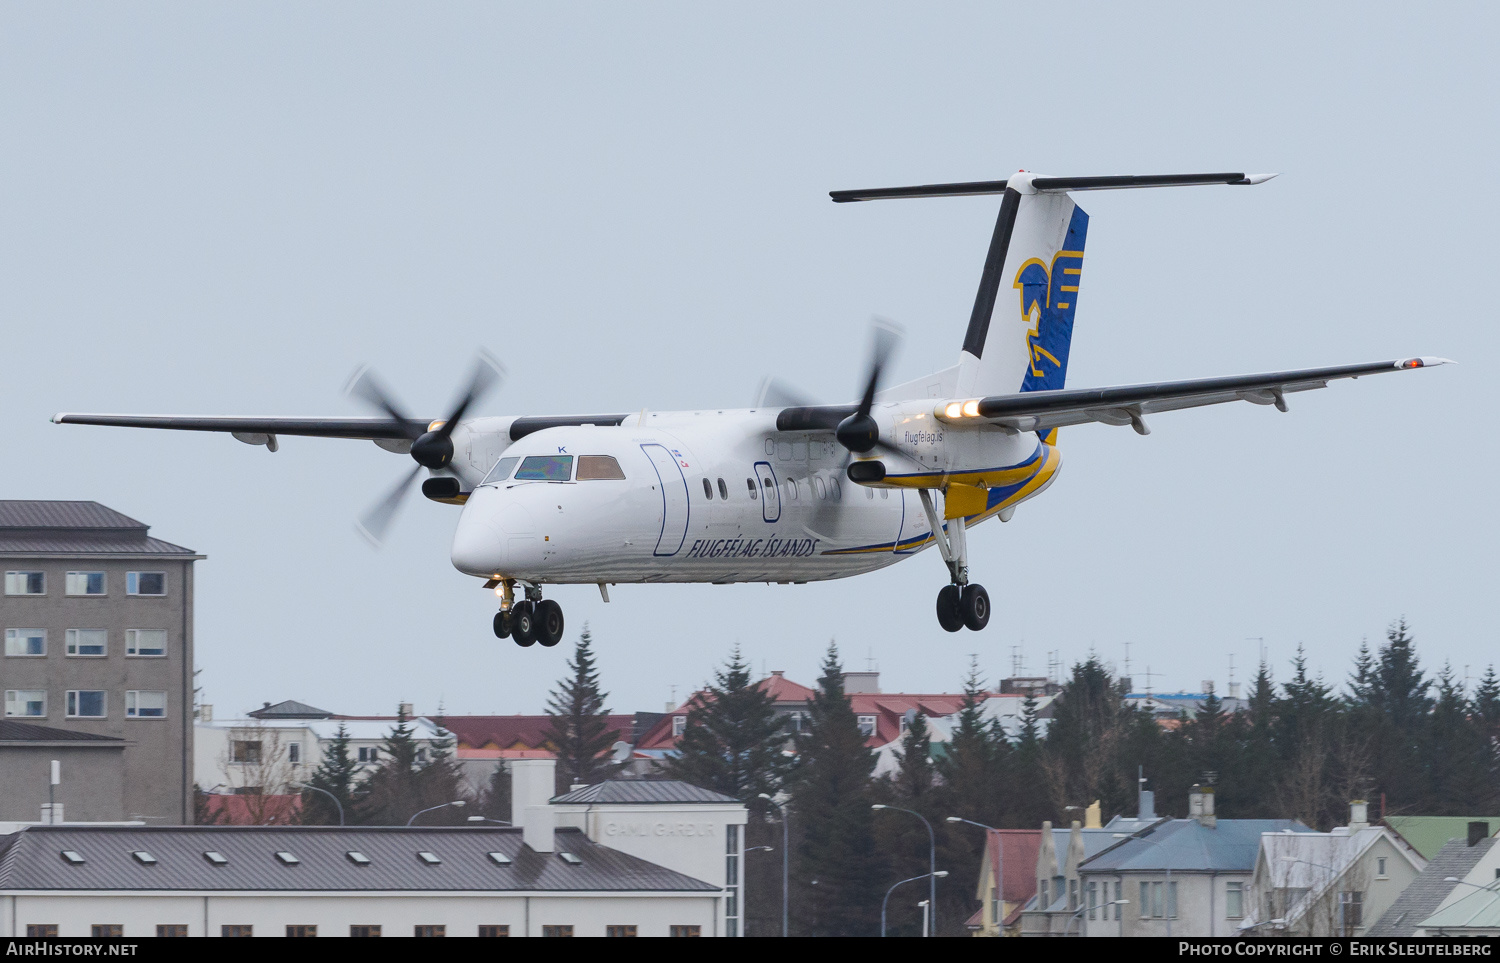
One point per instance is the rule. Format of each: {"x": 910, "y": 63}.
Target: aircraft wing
{"x": 1128, "y": 404}
{"x": 370, "y": 428}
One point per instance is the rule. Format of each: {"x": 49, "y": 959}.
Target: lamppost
{"x": 886, "y": 901}
{"x": 1079, "y": 914}
{"x": 1333, "y": 873}
{"x": 931, "y": 861}
{"x": 785, "y": 853}
{"x": 456, "y": 802}
{"x": 999, "y": 901}
{"x": 303, "y": 785}
{"x": 760, "y": 849}
{"x": 486, "y": 819}
{"x": 926, "y": 905}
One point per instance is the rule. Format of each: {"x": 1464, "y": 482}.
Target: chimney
{"x": 1091, "y": 816}
{"x": 532, "y": 782}
{"x": 206, "y": 712}
{"x": 861, "y": 683}
{"x": 405, "y": 709}
{"x": 1359, "y": 815}
{"x": 1201, "y": 806}
{"x": 1146, "y": 808}
{"x": 1478, "y": 832}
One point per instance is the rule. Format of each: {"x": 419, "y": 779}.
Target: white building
{"x": 608, "y": 864}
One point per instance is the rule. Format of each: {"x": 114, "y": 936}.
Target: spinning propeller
{"x": 431, "y": 447}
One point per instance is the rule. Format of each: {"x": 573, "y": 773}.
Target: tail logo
{"x": 1049, "y": 297}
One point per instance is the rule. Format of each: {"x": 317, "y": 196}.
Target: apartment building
{"x": 98, "y": 623}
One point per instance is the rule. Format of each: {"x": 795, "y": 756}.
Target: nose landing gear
{"x": 960, "y": 604}
{"x": 529, "y": 621}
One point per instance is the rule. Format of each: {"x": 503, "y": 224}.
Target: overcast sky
{"x": 223, "y": 209}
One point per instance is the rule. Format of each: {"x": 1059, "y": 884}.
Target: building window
{"x": 25, "y": 641}
{"x": 368, "y": 754}
{"x": 25, "y": 583}
{"x": 85, "y": 704}
{"x": 438, "y": 930}
{"x": 679, "y": 930}
{"x": 368, "y": 929}
{"x": 679, "y": 726}
{"x": 41, "y": 929}
{"x": 1119, "y": 898}
{"x": 85, "y": 583}
{"x": 171, "y": 929}
{"x": 1234, "y": 901}
{"x": 142, "y": 704}
{"x": 146, "y": 642}
{"x": 145, "y": 583}
{"x": 495, "y": 930}
{"x": 301, "y": 929}
{"x": 294, "y": 752}
{"x": 241, "y": 750}
{"x": 107, "y": 931}
{"x": 88, "y": 642}
{"x": 867, "y": 726}
{"x": 1171, "y": 901}
{"x": 26, "y": 703}
{"x": 1093, "y": 890}
{"x": 421, "y": 754}
{"x": 1380, "y": 867}
{"x": 237, "y": 929}
{"x": 1042, "y": 901}
{"x": 620, "y": 929}
{"x": 731, "y": 880}
{"x": 1159, "y": 901}
{"x": 1352, "y": 906}
{"x": 557, "y": 931}
{"x": 1072, "y": 894}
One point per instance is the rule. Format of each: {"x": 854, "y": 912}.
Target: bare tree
{"x": 257, "y": 768}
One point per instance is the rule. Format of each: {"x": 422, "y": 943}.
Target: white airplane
{"x": 787, "y": 492}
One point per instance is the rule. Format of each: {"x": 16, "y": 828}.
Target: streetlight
{"x": 303, "y": 785}
{"x": 486, "y": 819}
{"x": 785, "y": 852}
{"x": 886, "y": 901}
{"x": 1334, "y": 873}
{"x": 1079, "y": 914}
{"x": 760, "y": 849}
{"x": 926, "y": 905}
{"x": 999, "y": 863}
{"x": 931, "y": 860}
{"x": 456, "y": 802}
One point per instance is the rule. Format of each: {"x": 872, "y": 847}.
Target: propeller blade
{"x": 885, "y": 336}
{"x": 367, "y": 388}
{"x": 775, "y": 393}
{"x": 488, "y": 372}
{"x": 374, "y": 523}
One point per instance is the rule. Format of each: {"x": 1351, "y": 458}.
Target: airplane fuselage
{"x": 707, "y": 496}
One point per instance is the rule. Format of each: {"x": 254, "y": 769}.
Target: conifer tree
{"x": 496, "y": 801}
{"x": 914, "y": 778}
{"x": 580, "y": 733}
{"x": 969, "y": 765}
{"x": 409, "y": 778}
{"x": 733, "y": 742}
{"x": 1457, "y": 754}
{"x": 335, "y": 776}
{"x": 839, "y": 868}
{"x": 1402, "y": 704}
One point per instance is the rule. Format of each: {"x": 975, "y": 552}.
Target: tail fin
{"x": 1036, "y": 252}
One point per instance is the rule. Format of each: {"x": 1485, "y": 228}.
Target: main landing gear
{"x": 961, "y": 604}
{"x": 529, "y": 621}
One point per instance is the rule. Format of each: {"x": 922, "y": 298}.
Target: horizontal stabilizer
{"x": 1044, "y": 184}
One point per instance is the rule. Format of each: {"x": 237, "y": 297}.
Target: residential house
{"x": 1328, "y": 884}
{"x": 1428, "y": 834}
{"x": 1173, "y": 877}
{"x": 1460, "y": 868}
{"x": 1472, "y": 906}
{"x": 1007, "y": 880}
{"x": 1053, "y": 909}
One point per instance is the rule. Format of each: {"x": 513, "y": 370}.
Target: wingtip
{"x": 1423, "y": 362}
{"x": 1260, "y": 178}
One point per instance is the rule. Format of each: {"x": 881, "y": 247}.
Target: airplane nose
{"x": 488, "y": 524}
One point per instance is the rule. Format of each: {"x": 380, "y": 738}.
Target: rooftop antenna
{"x": 674, "y": 696}
{"x": 1148, "y": 674}
{"x": 1054, "y": 666}
{"x": 1015, "y": 661}
{"x": 870, "y": 660}
{"x": 1127, "y": 660}
{"x": 1262, "y": 641}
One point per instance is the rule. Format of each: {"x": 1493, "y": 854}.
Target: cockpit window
{"x": 502, "y": 470}
{"x": 545, "y": 468}
{"x": 598, "y": 467}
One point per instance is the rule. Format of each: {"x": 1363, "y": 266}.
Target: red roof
{"x": 889, "y": 709}
{"x": 1019, "y": 848}
{"x": 237, "y": 810}
{"x": 516, "y": 732}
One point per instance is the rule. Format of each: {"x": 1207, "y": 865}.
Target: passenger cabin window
{"x": 750, "y": 484}
{"x": 599, "y": 468}
{"x": 502, "y": 470}
{"x": 708, "y": 489}
{"x": 723, "y": 490}
{"x": 557, "y": 468}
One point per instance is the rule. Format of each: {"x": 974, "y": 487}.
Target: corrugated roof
{"x": 520, "y": 732}
{"x": 1186, "y": 845}
{"x": 1480, "y": 909}
{"x": 12, "y": 731}
{"x": 52, "y": 514}
{"x": 289, "y": 709}
{"x": 1429, "y": 834}
{"x": 33, "y": 861}
{"x": 643, "y": 791}
{"x": 1426, "y": 893}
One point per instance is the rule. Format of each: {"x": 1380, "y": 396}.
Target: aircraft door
{"x": 674, "y": 500}
{"x": 770, "y": 492}
{"x": 913, "y": 522}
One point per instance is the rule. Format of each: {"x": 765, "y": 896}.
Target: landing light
{"x": 436, "y": 425}
{"x": 971, "y": 409}
{"x": 954, "y": 410}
